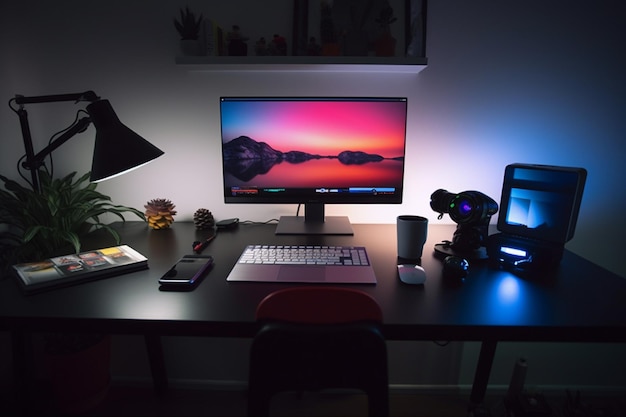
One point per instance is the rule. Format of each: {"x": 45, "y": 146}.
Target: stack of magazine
{"x": 78, "y": 268}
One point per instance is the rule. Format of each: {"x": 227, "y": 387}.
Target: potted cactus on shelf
{"x": 385, "y": 45}
{"x": 189, "y": 28}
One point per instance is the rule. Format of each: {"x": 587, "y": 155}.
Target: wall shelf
{"x": 303, "y": 63}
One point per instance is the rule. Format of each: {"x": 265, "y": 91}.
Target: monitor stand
{"x": 314, "y": 223}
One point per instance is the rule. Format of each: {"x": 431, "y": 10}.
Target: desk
{"x": 579, "y": 302}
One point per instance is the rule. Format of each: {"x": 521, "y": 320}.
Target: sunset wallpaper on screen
{"x": 324, "y": 127}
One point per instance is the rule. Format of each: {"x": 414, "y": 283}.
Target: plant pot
{"x": 80, "y": 380}
{"x": 385, "y": 45}
{"x": 331, "y": 49}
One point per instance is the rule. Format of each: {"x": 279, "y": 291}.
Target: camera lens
{"x": 440, "y": 201}
{"x": 461, "y": 208}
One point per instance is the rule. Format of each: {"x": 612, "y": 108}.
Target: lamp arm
{"x": 80, "y": 126}
{"x": 84, "y": 96}
{"x": 34, "y": 162}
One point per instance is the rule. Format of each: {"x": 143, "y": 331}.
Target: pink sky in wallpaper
{"x": 324, "y": 128}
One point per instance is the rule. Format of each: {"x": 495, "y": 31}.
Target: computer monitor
{"x": 313, "y": 151}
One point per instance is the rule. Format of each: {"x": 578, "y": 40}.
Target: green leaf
{"x": 34, "y": 225}
{"x": 72, "y": 238}
{"x": 31, "y": 232}
{"x": 113, "y": 233}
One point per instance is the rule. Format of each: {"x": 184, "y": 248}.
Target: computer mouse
{"x": 411, "y": 274}
{"x": 455, "y": 267}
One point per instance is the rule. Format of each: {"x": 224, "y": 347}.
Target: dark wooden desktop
{"x": 578, "y": 302}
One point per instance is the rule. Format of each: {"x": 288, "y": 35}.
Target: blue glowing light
{"x": 505, "y": 302}
{"x": 465, "y": 207}
{"x": 508, "y": 290}
{"x": 513, "y": 251}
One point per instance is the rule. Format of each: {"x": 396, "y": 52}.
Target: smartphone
{"x": 186, "y": 273}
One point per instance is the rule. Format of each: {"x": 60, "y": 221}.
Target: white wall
{"x": 515, "y": 82}
{"x": 524, "y": 81}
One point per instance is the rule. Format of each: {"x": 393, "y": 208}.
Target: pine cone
{"x": 203, "y": 219}
{"x": 160, "y": 213}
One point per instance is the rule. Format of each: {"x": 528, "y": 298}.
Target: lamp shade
{"x": 117, "y": 149}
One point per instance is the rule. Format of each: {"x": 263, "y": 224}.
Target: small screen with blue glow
{"x": 541, "y": 202}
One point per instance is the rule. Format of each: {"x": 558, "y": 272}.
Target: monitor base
{"x": 296, "y": 225}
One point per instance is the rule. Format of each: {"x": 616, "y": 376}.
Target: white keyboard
{"x": 304, "y": 255}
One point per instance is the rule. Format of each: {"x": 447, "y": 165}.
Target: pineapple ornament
{"x": 160, "y": 213}
{"x": 203, "y": 219}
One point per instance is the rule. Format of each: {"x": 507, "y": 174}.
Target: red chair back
{"x": 317, "y": 337}
{"x": 319, "y": 305}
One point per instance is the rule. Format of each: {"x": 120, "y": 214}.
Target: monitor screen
{"x": 314, "y": 151}
{"x": 541, "y": 202}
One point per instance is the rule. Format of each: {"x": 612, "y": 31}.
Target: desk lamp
{"x": 117, "y": 149}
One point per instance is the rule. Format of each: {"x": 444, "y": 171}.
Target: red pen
{"x": 199, "y": 246}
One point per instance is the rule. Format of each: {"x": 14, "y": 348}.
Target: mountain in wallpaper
{"x": 246, "y": 158}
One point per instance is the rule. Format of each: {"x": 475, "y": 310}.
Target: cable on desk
{"x": 253, "y": 222}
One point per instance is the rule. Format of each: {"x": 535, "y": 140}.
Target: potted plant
{"x": 188, "y": 27}
{"x": 385, "y": 45}
{"x": 36, "y": 226}
{"x": 39, "y": 225}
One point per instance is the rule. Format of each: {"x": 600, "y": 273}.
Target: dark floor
{"x": 121, "y": 400}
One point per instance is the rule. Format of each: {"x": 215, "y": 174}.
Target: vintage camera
{"x": 472, "y": 211}
{"x": 468, "y": 207}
